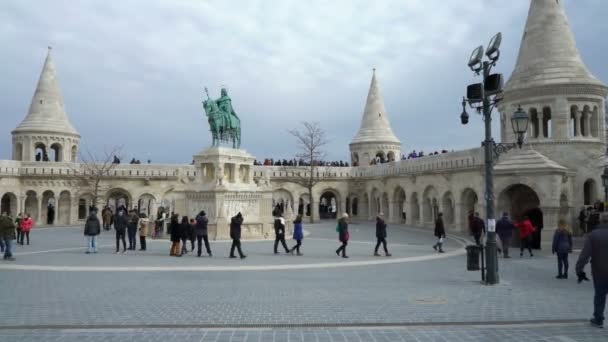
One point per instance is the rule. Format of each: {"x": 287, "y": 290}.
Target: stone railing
{"x": 328, "y": 172}
{"x": 9, "y": 167}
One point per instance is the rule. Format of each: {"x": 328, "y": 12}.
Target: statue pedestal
{"x": 224, "y": 187}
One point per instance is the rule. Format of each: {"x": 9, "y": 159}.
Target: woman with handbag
{"x": 343, "y": 236}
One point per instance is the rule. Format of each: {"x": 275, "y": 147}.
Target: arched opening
{"x": 520, "y": 200}
{"x": 40, "y": 152}
{"x": 74, "y": 153}
{"x": 64, "y": 208}
{"x": 355, "y": 207}
{"x": 415, "y": 209}
{"x": 448, "y": 205}
{"x": 594, "y": 122}
{"x": 82, "y": 209}
{"x": 590, "y": 192}
{"x": 18, "y": 155}
{"x": 146, "y": 204}
{"x": 468, "y": 203}
{"x": 399, "y": 205}
{"x": 328, "y": 205}
{"x": 49, "y": 206}
{"x": 430, "y": 204}
{"x": 8, "y": 204}
{"x": 355, "y": 159}
{"x": 380, "y": 157}
{"x": 390, "y": 156}
{"x": 117, "y": 198}
{"x": 31, "y": 204}
{"x": 574, "y": 123}
{"x": 304, "y": 205}
{"x": 547, "y": 122}
{"x": 283, "y": 200}
{"x": 534, "y": 123}
{"x": 584, "y": 121}
{"x": 56, "y": 152}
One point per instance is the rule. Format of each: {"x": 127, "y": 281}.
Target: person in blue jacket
{"x": 298, "y": 234}
{"x": 562, "y": 246}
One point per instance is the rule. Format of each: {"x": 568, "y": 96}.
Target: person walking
{"x": 343, "y": 235}
{"x": 381, "y": 235}
{"x": 176, "y": 235}
{"x": 279, "y": 233}
{"x": 439, "y": 233}
{"x": 7, "y": 235}
{"x": 562, "y": 246}
{"x": 92, "y": 228}
{"x": 132, "y": 229}
{"x": 525, "y": 235}
{"x": 298, "y": 235}
{"x": 596, "y": 250}
{"x": 184, "y": 228}
{"x": 18, "y": 225}
{"x": 504, "y": 230}
{"x": 143, "y": 226}
{"x": 235, "y": 234}
{"x": 201, "y": 232}
{"x": 121, "y": 220}
{"x": 478, "y": 228}
{"x": 27, "y": 223}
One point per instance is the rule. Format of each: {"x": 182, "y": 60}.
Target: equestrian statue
{"x": 225, "y": 125}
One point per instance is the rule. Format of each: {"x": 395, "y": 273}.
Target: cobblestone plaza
{"x": 58, "y": 293}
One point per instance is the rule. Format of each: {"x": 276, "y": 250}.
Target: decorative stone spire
{"x": 46, "y": 113}
{"x": 375, "y": 126}
{"x": 548, "y": 54}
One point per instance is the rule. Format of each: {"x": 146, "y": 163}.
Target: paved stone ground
{"x": 297, "y": 304}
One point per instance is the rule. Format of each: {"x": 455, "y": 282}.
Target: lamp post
{"x": 605, "y": 183}
{"x": 484, "y": 98}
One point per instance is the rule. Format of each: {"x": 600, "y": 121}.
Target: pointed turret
{"x": 548, "y": 54}
{"x": 46, "y": 113}
{"x": 375, "y": 139}
{"x": 375, "y": 126}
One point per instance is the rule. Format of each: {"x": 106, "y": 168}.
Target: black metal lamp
{"x": 519, "y": 121}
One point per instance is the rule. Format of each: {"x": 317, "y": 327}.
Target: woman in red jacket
{"x": 525, "y": 235}
{"x": 26, "y": 225}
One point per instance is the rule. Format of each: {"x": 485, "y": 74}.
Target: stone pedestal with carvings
{"x": 223, "y": 187}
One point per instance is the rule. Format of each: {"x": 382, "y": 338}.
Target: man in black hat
{"x": 596, "y": 249}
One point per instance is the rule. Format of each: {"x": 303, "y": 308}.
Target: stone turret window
{"x": 56, "y": 152}
{"x": 574, "y": 122}
{"x": 74, "y": 153}
{"x": 594, "y": 122}
{"x": 40, "y": 152}
{"x": 534, "y": 123}
{"x": 584, "y": 122}
{"x": 547, "y": 122}
{"x": 18, "y": 155}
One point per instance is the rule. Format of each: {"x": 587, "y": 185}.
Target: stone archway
{"x": 64, "y": 208}
{"x": 304, "y": 205}
{"x": 49, "y": 207}
{"x": 589, "y": 192}
{"x": 31, "y": 205}
{"x": 414, "y": 209}
{"x": 146, "y": 204}
{"x": 56, "y": 151}
{"x": 329, "y": 204}
{"x": 520, "y": 201}
{"x": 430, "y": 204}
{"x": 447, "y": 203}
{"x": 8, "y": 204}
{"x": 118, "y": 197}
{"x": 399, "y": 210}
{"x": 468, "y": 206}
{"x": 282, "y": 199}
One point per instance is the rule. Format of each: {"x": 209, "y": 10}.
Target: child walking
{"x": 562, "y": 246}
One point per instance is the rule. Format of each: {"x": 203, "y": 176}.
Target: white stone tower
{"x": 566, "y": 103}
{"x": 46, "y": 133}
{"x": 375, "y": 137}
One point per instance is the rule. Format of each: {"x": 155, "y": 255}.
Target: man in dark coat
{"x": 235, "y": 235}
{"x": 121, "y": 220}
{"x": 504, "y": 230}
{"x": 279, "y": 233}
{"x": 479, "y": 228}
{"x": 92, "y": 228}
{"x": 132, "y": 229}
{"x": 596, "y": 249}
{"x": 381, "y": 235}
{"x": 439, "y": 233}
{"x": 7, "y": 234}
{"x": 202, "y": 233}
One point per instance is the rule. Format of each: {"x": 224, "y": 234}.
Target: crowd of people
{"x": 14, "y": 229}
{"x": 298, "y": 162}
{"x": 420, "y": 154}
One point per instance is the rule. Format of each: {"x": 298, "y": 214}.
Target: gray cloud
{"x": 133, "y": 72}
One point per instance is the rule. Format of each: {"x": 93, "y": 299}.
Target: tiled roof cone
{"x": 548, "y": 54}
{"x": 46, "y": 113}
{"x": 375, "y": 126}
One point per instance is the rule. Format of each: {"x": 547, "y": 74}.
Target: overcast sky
{"x": 133, "y": 72}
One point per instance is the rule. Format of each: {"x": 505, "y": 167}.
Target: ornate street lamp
{"x": 519, "y": 121}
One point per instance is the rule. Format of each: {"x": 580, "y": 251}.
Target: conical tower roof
{"x": 548, "y": 54}
{"x": 46, "y": 112}
{"x": 375, "y": 126}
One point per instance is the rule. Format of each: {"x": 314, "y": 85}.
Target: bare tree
{"x": 93, "y": 169}
{"x": 310, "y": 141}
